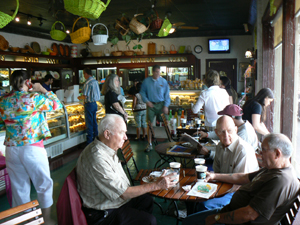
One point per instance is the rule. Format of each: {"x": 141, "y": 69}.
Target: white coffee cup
{"x": 201, "y": 172}
{"x": 199, "y": 161}
{"x": 175, "y": 168}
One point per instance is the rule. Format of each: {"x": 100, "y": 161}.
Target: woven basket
{"x": 6, "y": 19}
{"x": 82, "y": 34}
{"x": 100, "y": 39}
{"x": 58, "y": 35}
{"x": 86, "y": 8}
{"x": 96, "y": 54}
{"x": 139, "y": 53}
{"x": 3, "y": 43}
{"x": 172, "y": 50}
{"x": 156, "y": 24}
{"x": 128, "y": 52}
{"x": 14, "y": 49}
{"x": 116, "y": 52}
{"x": 107, "y": 52}
{"x": 136, "y": 26}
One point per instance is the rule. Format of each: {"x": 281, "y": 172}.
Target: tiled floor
{"x": 61, "y": 167}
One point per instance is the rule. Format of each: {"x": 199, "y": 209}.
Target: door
{"x": 225, "y": 67}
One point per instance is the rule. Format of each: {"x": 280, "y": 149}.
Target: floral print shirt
{"x": 22, "y": 115}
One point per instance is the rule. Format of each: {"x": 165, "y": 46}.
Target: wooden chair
{"x": 69, "y": 203}
{"x": 151, "y": 133}
{"x": 292, "y": 216}
{"x": 18, "y": 215}
{"x": 170, "y": 138}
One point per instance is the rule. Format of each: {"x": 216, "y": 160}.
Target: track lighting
{"x": 17, "y": 19}
{"x": 28, "y": 21}
{"x": 29, "y": 18}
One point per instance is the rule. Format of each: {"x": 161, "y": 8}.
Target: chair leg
{"x": 161, "y": 209}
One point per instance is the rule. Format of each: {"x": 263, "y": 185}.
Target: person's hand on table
{"x": 202, "y": 150}
{"x": 201, "y": 134}
{"x": 165, "y": 182}
{"x": 149, "y": 104}
{"x": 209, "y": 176}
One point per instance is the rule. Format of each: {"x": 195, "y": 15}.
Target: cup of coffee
{"x": 183, "y": 123}
{"x": 198, "y": 123}
{"x": 201, "y": 172}
{"x": 175, "y": 168}
{"x": 199, "y": 161}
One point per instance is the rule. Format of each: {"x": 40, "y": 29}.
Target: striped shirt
{"x": 101, "y": 179}
{"x": 91, "y": 90}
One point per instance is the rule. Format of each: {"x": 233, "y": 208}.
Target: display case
{"x": 76, "y": 118}
{"x": 58, "y": 126}
{"x": 128, "y": 109}
{"x": 184, "y": 98}
{"x": 100, "y": 111}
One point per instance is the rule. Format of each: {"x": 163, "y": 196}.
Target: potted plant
{"x": 139, "y": 47}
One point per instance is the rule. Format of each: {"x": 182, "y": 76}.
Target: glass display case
{"x": 76, "y": 118}
{"x": 128, "y": 109}
{"x": 100, "y": 112}
{"x": 184, "y": 98}
{"x": 57, "y": 124}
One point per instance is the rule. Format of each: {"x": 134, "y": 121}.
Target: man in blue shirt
{"x": 91, "y": 94}
{"x": 156, "y": 94}
{"x": 48, "y": 82}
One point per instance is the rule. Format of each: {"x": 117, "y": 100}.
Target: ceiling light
{"x": 17, "y": 19}
{"x": 248, "y": 54}
{"x": 67, "y": 31}
{"x": 172, "y": 30}
{"x": 28, "y": 21}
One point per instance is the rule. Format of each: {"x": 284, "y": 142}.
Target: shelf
{"x": 51, "y": 118}
{"x": 54, "y": 139}
{"x": 77, "y": 133}
{"x": 62, "y": 125}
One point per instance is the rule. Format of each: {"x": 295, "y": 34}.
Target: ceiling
{"x": 213, "y": 17}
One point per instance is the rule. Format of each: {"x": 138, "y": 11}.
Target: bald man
{"x": 233, "y": 155}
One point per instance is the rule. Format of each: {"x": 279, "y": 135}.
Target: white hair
{"x": 108, "y": 123}
{"x": 280, "y": 141}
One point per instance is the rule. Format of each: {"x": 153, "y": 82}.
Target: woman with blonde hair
{"x": 213, "y": 99}
{"x": 111, "y": 90}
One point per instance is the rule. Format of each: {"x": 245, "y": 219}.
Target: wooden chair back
{"x": 18, "y": 215}
{"x": 151, "y": 133}
{"x": 166, "y": 127}
{"x": 292, "y": 216}
{"x": 129, "y": 161}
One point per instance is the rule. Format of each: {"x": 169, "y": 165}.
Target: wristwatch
{"x": 217, "y": 217}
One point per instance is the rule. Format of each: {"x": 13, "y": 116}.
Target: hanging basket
{"x": 136, "y": 26}
{"x": 91, "y": 9}
{"x": 6, "y": 19}
{"x": 156, "y": 24}
{"x": 100, "y": 39}
{"x": 82, "y": 34}
{"x": 58, "y": 35}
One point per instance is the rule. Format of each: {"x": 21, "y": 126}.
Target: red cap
{"x": 231, "y": 110}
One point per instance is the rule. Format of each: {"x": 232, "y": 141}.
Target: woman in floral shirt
{"x": 22, "y": 115}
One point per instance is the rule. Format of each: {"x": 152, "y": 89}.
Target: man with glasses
{"x": 266, "y": 195}
{"x": 233, "y": 155}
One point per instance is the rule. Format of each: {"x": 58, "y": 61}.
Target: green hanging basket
{"x": 58, "y": 35}
{"x": 91, "y": 9}
{"x": 6, "y": 19}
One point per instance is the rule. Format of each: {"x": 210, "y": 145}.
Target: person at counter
{"x": 111, "y": 90}
{"x": 133, "y": 90}
{"x": 255, "y": 110}
{"x": 91, "y": 94}
{"x": 22, "y": 115}
{"x": 155, "y": 92}
{"x": 48, "y": 82}
{"x": 103, "y": 185}
{"x": 214, "y": 99}
{"x": 225, "y": 83}
{"x": 266, "y": 195}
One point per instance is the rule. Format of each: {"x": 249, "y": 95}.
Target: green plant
{"x": 138, "y": 46}
{"x": 114, "y": 40}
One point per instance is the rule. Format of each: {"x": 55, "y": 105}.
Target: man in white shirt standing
{"x": 214, "y": 99}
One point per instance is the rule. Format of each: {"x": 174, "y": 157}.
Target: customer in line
{"x": 255, "y": 110}
{"x": 156, "y": 94}
{"x": 22, "y": 114}
{"x": 139, "y": 112}
{"x": 103, "y": 185}
{"x": 266, "y": 195}
{"x": 91, "y": 94}
{"x": 111, "y": 90}
{"x": 225, "y": 83}
{"x": 233, "y": 155}
{"x": 213, "y": 100}
{"x": 48, "y": 81}
{"x": 245, "y": 129}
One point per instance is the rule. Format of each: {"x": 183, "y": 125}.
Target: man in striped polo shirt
{"x": 91, "y": 94}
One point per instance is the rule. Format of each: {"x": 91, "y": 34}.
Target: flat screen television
{"x": 219, "y": 45}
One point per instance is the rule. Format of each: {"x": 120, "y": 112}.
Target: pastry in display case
{"x": 128, "y": 109}
{"x": 57, "y": 124}
{"x": 184, "y": 98}
{"x": 76, "y": 117}
{"x": 100, "y": 112}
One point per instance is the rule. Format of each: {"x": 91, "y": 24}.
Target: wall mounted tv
{"x": 219, "y": 45}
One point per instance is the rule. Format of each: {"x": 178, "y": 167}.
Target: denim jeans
{"x": 140, "y": 118}
{"x": 90, "y": 109}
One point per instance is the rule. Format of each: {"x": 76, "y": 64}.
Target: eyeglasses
{"x": 223, "y": 132}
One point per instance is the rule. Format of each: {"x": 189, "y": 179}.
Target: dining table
{"x": 177, "y": 193}
{"x": 167, "y": 157}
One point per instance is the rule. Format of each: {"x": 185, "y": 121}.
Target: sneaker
{"x": 148, "y": 148}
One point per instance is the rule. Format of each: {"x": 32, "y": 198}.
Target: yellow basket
{"x": 6, "y": 19}
{"x": 81, "y": 35}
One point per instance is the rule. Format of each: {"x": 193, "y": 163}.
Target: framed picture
{"x": 242, "y": 69}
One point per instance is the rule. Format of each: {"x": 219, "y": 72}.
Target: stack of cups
{"x": 201, "y": 172}
{"x": 175, "y": 168}
{"x": 183, "y": 122}
{"x": 198, "y": 123}
{"x": 74, "y": 51}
